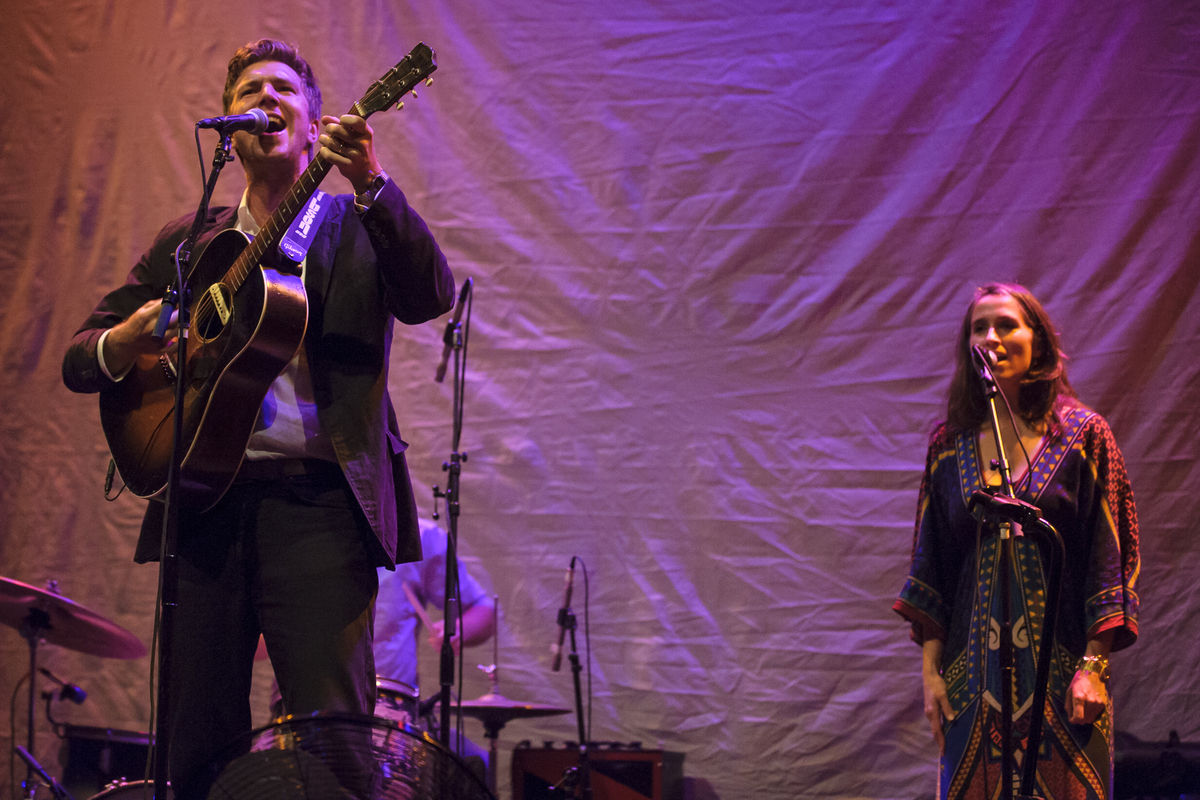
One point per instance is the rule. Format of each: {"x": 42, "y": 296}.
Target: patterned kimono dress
{"x": 1078, "y": 480}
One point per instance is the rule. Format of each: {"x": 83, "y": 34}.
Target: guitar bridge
{"x": 220, "y": 302}
{"x": 168, "y": 368}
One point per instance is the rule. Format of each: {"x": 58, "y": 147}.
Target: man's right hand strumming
{"x": 133, "y": 338}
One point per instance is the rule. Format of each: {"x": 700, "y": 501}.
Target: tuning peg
{"x": 429, "y": 81}
{"x": 414, "y": 92}
{"x": 400, "y": 105}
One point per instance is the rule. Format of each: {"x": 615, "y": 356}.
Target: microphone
{"x": 984, "y": 361}
{"x": 255, "y": 121}
{"x": 557, "y": 649}
{"x": 448, "y": 336}
{"x": 69, "y": 690}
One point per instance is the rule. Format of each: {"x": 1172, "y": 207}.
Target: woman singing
{"x": 1063, "y": 459}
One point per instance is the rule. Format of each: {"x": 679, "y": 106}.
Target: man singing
{"x": 323, "y": 496}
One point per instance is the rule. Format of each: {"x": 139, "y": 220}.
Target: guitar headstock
{"x": 390, "y": 89}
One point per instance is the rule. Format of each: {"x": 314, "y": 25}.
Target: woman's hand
{"x": 1086, "y": 698}
{"x": 937, "y": 708}
{"x": 937, "y": 701}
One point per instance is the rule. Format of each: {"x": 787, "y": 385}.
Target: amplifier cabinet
{"x": 617, "y": 774}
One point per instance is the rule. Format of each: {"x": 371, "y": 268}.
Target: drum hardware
{"x": 56, "y": 788}
{"x": 98, "y": 758}
{"x": 129, "y": 790}
{"x": 43, "y": 615}
{"x": 67, "y": 690}
{"x": 495, "y": 710}
{"x": 492, "y": 709}
{"x": 396, "y": 701}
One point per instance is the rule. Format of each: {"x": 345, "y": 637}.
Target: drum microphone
{"x": 557, "y": 649}
{"x": 254, "y": 122}
{"x": 69, "y": 691}
{"x": 448, "y": 336}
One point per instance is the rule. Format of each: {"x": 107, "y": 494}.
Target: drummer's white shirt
{"x": 396, "y": 623}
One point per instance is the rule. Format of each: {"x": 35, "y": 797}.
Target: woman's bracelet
{"x": 1097, "y": 665}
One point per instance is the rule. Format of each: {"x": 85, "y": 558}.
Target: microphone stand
{"x": 56, "y": 788}
{"x": 583, "y": 775}
{"x": 168, "y": 575}
{"x": 1002, "y": 509}
{"x": 456, "y": 338}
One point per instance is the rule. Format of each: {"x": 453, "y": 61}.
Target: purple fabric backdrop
{"x": 721, "y": 250}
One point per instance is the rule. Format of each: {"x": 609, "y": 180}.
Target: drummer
{"x": 397, "y": 625}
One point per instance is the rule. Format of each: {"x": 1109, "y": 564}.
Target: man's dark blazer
{"x": 360, "y": 273}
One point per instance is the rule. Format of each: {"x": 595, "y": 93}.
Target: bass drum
{"x": 130, "y": 790}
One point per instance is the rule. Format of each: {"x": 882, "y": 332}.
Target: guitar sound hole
{"x": 208, "y": 327}
{"x": 206, "y": 319}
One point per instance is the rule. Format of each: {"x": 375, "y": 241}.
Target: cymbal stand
{"x": 33, "y": 627}
{"x": 491, "y": 730}
{"x": 36, "y": 623}
{"x": 1003, "y": 508}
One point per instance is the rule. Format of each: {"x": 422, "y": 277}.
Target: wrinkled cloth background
{"x": 721, "y": 252}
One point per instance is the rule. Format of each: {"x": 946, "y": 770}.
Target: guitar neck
{"x": 269, "y": 237}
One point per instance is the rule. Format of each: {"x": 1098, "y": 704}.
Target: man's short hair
{"x": 272, "y": 50}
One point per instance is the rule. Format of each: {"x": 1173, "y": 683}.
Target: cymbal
{"x": 68, "y": 624}
{"x": 497, "y": 708}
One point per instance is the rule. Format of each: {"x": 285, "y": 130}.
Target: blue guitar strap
{"x": 299, "y": 236}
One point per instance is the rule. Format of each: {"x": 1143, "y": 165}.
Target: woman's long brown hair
{"x": 1043, "y": 387}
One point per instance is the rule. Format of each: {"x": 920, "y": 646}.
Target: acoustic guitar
{"x": 247, "y": 323}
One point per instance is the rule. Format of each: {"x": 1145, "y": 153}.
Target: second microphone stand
{"x": 581, "y": 775}
{"x": 456, "y": 337}
{"x": 1003, "y": 509}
